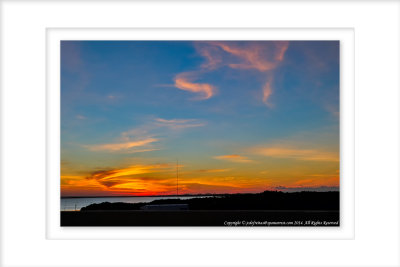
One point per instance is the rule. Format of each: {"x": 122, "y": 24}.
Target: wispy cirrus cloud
{"x": 234, "y": 158}
{"x": 331, "y": 103}
{"x": 145, "y": 138}
{"x": 267, "y": 92}
{"x": 178, "y": 123}
{"x": 125, "y": 146}
{"x": 262, "y": 56}
{"x": 296, "y": 153}
{"x": 211, "y": 53}
{"x": 185, "y": 81}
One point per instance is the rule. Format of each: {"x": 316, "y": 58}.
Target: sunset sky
{"x": 239, "y": 116}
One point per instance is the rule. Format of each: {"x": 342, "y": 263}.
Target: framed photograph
{"x": 139, "y": 128}
{"x": 214, "y": 183}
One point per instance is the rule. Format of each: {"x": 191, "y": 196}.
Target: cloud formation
{"x": 184, "y": 81}
{"x": 296, "y": 153}
{"x": 178, "y": 123}
{"x": 267, "y": 91}
{"x": 262, "y": 56}
{"x": 234, "y": 158}
{"x": 141, "y": 179}
{"x": 117, "y": 176}
{"x": 257, "y": 55}
{"x": 125, "y": 146}
{"x": 210, "y": 53}
{"x": 145, "y": 137}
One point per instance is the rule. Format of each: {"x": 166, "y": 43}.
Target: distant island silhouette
{"x": 123, "y": 196}
{"x": 267, "y": 200}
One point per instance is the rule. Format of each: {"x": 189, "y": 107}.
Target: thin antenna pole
{"x": 177, "y": 181}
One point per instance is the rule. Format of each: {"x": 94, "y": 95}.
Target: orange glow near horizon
{"x": 160, "y": 179}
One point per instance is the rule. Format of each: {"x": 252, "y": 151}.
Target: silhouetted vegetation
{"x": 268, "y": 200}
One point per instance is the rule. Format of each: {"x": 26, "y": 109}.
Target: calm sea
{"x": 75, "y": 203}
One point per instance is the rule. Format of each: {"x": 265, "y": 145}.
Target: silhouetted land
{"x": 270, "y": 208}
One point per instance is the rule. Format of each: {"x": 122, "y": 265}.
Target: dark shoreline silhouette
{"x": 180, "y": 195}
{"x": 262, "y": 209}
{"x": 268, "y": 200}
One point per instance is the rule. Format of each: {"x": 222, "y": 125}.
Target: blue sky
{"x": 240, "y": 116}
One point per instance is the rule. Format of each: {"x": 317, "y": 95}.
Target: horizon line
{"x": 204, "y": 194}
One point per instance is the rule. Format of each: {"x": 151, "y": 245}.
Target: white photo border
{"x": 23, "y": 232}
{"x": 346, "y": 228}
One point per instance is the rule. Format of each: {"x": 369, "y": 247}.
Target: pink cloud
{"x": 184, "y": 82}
{"x": 267, "y": 91}
{"x": 262, "y": 56}
{"x": 211, "y": 54}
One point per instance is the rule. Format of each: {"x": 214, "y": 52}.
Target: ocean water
{"x": 74, "y": 203}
